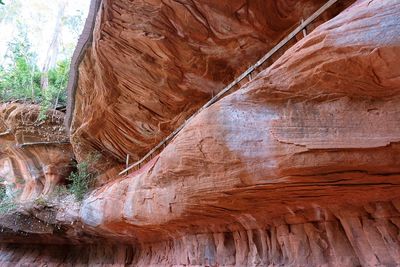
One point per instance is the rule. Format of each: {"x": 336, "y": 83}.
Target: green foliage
{"x": 40, "y": 201}
{"x": 58, "y": 76}
{"x": 7, "y": 203}
{"x": 55, "y": 94}
{"x": 81, "y": 180}
{"x": 20, "y": 79}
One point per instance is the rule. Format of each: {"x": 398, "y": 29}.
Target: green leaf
{"x": 1, "y": 2}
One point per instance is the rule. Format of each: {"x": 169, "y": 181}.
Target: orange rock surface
{"x": 35, "y": 155}
{"x": 154, "y": 63}
{"x": 299, "y": 167}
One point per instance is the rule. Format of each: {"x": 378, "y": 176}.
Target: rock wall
{"x": 35, "y": 154}
{"x": 66, "y": 255}
{"x": 316, "y": 133}
{"x": 152, "y": 64}
{"x": 358, "y": 237}
{"x": 299, "y": 167}
{"x": 35, "y": 158}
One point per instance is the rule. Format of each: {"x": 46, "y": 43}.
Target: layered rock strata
{"x": 35, "y": 153}
{"x": 35, "y": 158}
{"x": 300, "y": 167}
{"x": 66, "y": 255}
{"x": 306, "y": 154}
{"x": 154, "y": 63}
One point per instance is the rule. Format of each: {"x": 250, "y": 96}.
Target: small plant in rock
{"x": 81, "y": 180}
{"x": 41, "y": 201}
{"x": 7, "y": 203}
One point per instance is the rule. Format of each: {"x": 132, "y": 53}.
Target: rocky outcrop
{"x": 66, "y": 255}
{"x": 35, "y": 158}
{"x": 306, "y": 152}
{"x": 84, "y": 41}
{"x": 152, "y": 64}
{"x": 299, "y": 167}
{"x": 319, "y": 238}
{"x": 35, "y": 153}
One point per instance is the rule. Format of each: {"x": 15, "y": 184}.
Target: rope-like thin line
{"x": 236, "y": 81}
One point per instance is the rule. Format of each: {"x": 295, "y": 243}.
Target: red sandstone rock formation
{"x": 35, "y": 155}
{"x": 300, "y": 167}
{"x": 152, "y": 64}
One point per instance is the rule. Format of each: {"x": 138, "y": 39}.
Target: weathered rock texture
{"x": 300, "y": 167}
{"x": 153, "y": 63}
{"x": 66, "y": 255}
{"x": 35, "y": 155}
{"x": 302, "y": 158}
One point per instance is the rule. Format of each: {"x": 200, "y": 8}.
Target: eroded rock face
{"x": 35, "y": 158}
{"x": 300, "y": 167}
{"x": 66, "y": 255}
{"x": 35, "y": 155}
{"x": 359, "y": 237}
{"x": 316, "y": 133}
{"x": 153, "y": 63}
